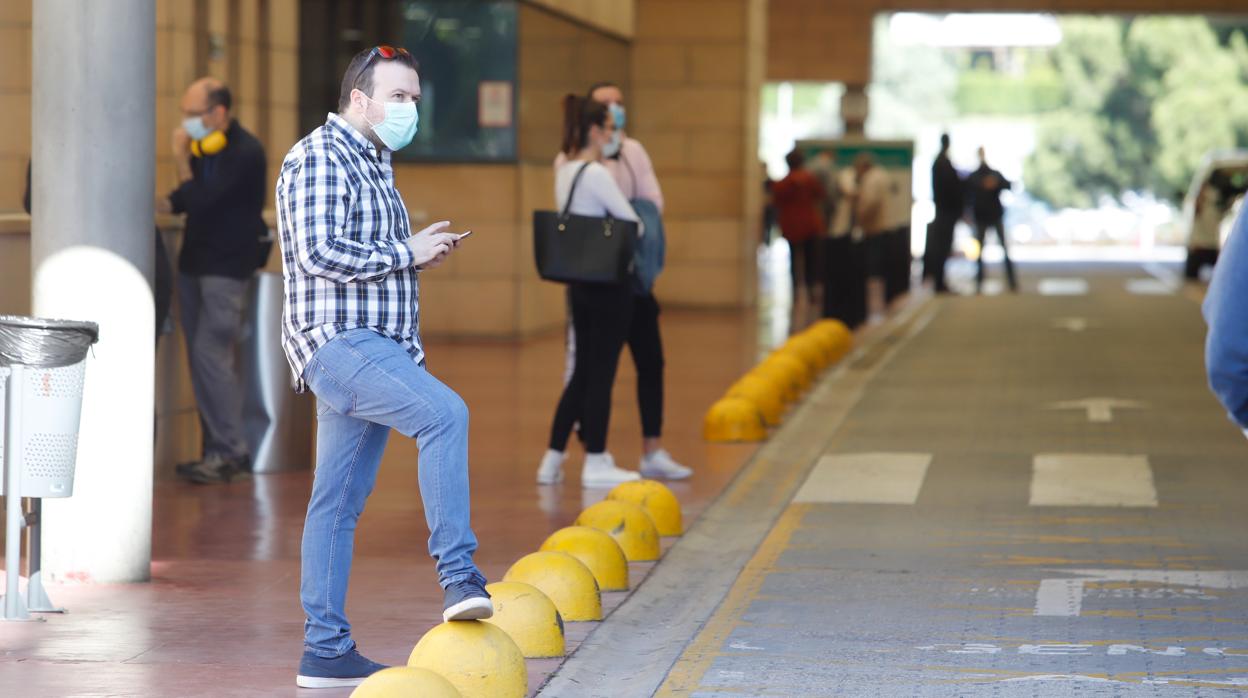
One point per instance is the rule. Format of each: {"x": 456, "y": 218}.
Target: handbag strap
{"x": 572, "y": 192}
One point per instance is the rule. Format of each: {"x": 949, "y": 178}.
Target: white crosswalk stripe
{"x": 866, "y": 478}
{"x": 1079, "y": 479}
{"x": 1057, "y": 480}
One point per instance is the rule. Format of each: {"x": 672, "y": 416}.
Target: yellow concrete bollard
{"x": 477, "y": 658}
{"x": 656, "y": 500}
{"x": 597, "y": 551}
{"x": 807, "y": 351}
{"x": 405, "y": 682}
{"x": 564, "y": 579}
{"x": 766, "y": 396}
{"x": 799, "y": 372}
{"x": 628, "y": 524}
{"x": 826, "y": 343}
{"x": 733, "y": 419}
{"x": 781, "y": 377}
{"x": 529, "y": 617}
{"x": 841, "y": 335}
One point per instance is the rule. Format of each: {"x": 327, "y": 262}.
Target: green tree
{"x": 1145, "y": 99}
{"x": 904, "y": 99}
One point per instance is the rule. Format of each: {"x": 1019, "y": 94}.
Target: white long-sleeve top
{"x": 597, "y": 194}
{"x": 632, "y": 170}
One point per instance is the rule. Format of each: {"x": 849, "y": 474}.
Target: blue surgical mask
{"x": 612, "y": 147}
{"x": 618, "y": 113}
{"x": 398, "y": 128}
{"x": 195, "y": 128}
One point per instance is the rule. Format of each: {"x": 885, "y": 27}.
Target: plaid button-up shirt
{"x": 343, "y": 228}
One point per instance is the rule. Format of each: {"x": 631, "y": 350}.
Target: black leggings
{"x": 601, "y": 314}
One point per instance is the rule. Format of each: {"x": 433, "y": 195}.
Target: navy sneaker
{"x": 348, "y": 670}
{"x": 467, "y": 600}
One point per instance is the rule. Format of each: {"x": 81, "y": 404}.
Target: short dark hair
{"x": 359, "y": 74}
{"x": 598, "y": 86}
{"x": 795, "y": 159}
{"x": 220, "y": 96}
{"x": 944, "y": 141}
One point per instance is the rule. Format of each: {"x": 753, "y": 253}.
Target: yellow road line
{"x": 687, "y": 674}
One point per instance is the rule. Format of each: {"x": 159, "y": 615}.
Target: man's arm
{"x": 643, "y": 170}
{"x": 317, "y": 205}
{"x": 181, "y": 143}
{"x": 1226, "y": 346}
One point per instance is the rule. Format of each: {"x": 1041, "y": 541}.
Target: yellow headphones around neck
{"x": 211, "y": 144}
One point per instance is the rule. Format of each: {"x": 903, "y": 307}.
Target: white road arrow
{"x": 1064, "y": 597}
{"x": 1099, "y": 409}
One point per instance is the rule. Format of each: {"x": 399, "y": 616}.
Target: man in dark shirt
{"x": 984, "y": 187}
{"x": 223, "y": 187}
{"x": 949, "y": 200}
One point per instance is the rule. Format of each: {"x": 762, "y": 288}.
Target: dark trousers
{"x": 212, "y": 320}
{"x": 601, "y": 314}
{"x": 939, "y": 247}
{"x": 844, "y": 285}
{"x": 646, "y": 345}
{"x": 1198, "y": 257}
{"x": 804, "y": 264}
{"x": 981, "y": 233}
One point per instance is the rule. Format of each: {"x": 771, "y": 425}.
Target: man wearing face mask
{"x": 629, "y": 164}
{"x": 351, "y": 334}
{"x": 222, "y": 189}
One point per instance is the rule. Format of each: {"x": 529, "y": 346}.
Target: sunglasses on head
{"x": 384, "y": 52}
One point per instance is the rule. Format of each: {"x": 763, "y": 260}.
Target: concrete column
{"x": 855, "y": 108}
{"x": 697, "y": 70}
{"x": 93, "y": 120}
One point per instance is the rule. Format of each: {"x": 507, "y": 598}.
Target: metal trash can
{"x": 42, "y": 368}
{"x": 277, "y": 421}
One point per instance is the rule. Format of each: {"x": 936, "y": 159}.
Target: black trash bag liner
{"x": 45, "y": 343}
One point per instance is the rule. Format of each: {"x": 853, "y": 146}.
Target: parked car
{"x": 1218, "y": 185}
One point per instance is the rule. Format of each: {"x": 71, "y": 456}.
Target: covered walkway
{"x": 1000, "y": 495}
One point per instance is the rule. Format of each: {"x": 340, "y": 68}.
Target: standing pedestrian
{"x": 872, "y": 189}
{"x": 950, "y": 202}
{"x": 351, "y": 334}
{"x": 1204, "y": 240}
{"x": 984, "y": 187}
{"x": 633, "y": 172}
{"x": 222, "y": 190}
{"x": 601, "y": 312}
{"x": 799, "y": 208}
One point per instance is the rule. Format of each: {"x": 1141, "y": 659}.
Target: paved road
{"x": 1029, "y": 495}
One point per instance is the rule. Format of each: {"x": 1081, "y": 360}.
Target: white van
{"x": 1216, "y": 192}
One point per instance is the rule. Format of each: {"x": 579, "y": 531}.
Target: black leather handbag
{"x": 583, "y": 249}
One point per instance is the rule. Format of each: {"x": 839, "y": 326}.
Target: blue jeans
{"x": 366, "y": 385}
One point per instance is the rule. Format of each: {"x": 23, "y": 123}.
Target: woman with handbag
{"x": 600, "y": 311}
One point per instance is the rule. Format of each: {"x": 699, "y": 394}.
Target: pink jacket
{"x": 633, "y": 171}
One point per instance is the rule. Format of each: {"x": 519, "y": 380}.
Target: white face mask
{"x": 612, "y": 147}
{"x": 397, "y": 129}
{"x": 195, "y": 128}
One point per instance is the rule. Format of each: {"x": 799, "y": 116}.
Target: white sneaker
{"x": 661, "y": 466}
{"x": 551, "y": 469}
{"x": 600, "y": 471}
